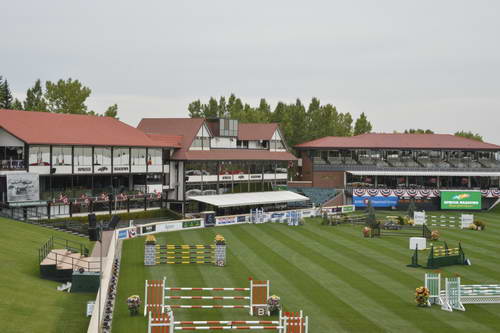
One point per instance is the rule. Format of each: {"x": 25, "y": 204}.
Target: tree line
{"x": 63, "y": 96}
{"x": 299, "y": 122}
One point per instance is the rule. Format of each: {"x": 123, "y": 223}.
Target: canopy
{"x": 426, "y": 173}
{"x": 249, "y": 199}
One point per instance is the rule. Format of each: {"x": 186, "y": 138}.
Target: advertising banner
{"x": 461, "y": 200}
{"x": 23, "y": 187}
{"x": 149, "y": 228}
{"x": 377, "y": 201}
{"x": 169, "y": 226}
{"x": 348, "y": 209}
{"x": 191, "y": 224}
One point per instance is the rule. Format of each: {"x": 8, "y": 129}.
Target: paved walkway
{"x": 106, "y": 240}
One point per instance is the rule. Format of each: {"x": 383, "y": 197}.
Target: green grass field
{"x": 27, "y": 302}
{"x": 344, "y": 282}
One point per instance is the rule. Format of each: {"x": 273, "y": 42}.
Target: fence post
{"x": 48, "y": 210}
{"x": 145, "y": 202}
{"x": 128, "y": 205}
{"x": 70, "y": 206}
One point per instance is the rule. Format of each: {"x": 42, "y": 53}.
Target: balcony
{"x": 12, "y": 165}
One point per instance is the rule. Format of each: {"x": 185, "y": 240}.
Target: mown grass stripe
{"x": 476, "y": 319}
{"x": 334, "y": 308}
{"x": 381, "y": 292}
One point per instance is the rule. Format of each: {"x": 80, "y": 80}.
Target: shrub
{"x": 401, "y": 220}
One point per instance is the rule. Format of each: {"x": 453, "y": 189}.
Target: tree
{"x": 34, "y": 98}
{"x": 371, "y": 219}
{"x": 411, "y": 208}
{"x": 469, "y": 135}
{"x": 418, "y": 131}
{"x": 17, "y": 105}
{"x": 362, "y": 125}
{"x": 5, "y": 95}
{"x": 112, "y": 111}
{"x": 66, "y": 96}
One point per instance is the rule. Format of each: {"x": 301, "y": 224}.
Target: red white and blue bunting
{"x": 412, "y": 193}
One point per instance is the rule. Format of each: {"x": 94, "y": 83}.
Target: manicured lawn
{"x": 344, "y": 282}
{"x": 28, "y": 303}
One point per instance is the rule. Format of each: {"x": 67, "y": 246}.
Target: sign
{"x": 121, "y": 169}
{"x": 23, "y": 187}
{"x": 241, "y": 218}
{"x": 123, "y": 234}
{"x": 168, "y": 226}
{"x": 149, "y": 228}
{"x": 461, "y": 200}
{"x": 84, "y": 169}
{"x": 377, "y": 201}
{"x": 226, "y": 220}
{"x": 191, "y": 224}
{"x": 419, "y": 218}
{"x": 348, "y": 209}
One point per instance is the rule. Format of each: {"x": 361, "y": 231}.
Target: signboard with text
{"x": 461, "y": 200}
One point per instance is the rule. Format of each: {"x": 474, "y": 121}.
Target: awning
{"x": 426, "y": 173}
{"x": 249, "y": 199}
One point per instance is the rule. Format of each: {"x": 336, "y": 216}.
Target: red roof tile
{"x": 70, "y": 129}
{"x": 173, "y": 141}
{"x": 255, "y": 131}
{"x": 399, "y": 141}
{"x": 185, "y": 127}
{"x": 233, "y": 154}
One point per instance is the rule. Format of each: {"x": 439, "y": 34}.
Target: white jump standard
{"x": 456, "y": 295}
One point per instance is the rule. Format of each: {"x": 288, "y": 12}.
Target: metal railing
{"x": 45, "y": 252}
{"x": 12, "y": 165}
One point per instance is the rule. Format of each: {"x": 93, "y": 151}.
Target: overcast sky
{"x": 407, "y": 64}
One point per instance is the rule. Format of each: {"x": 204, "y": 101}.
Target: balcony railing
{"x": 330, "y": 167}
{"x": 12, "y": 165}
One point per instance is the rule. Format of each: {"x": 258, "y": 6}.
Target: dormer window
{"x": 228, "y": 127}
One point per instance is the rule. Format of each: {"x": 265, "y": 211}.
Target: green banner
{"x": 461, "y": 200}
{"x": 191, "y": 224}
{"x": 348, "y": 209}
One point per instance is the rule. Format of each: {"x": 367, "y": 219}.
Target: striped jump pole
{"x": 206, "y": 289}
{"x": 178, "y": 306}
{"x": 228, "y": 322}
{"x": 220, "y": 328}
{"x": 207, "y": 297}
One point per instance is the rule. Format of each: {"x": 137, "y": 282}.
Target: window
{"x": 102, "y": 156}
{"x": 83, "y": 156}
{"x": 228, "y": 127}
{"x": 121, "y": 157}
{"x": 277, "y": 145}
{"x": 138, "y": 156}
{"x": 242, "y": 144}
{"x": 61, "y": 156}
{"x": 154, "y": 156}
{"x": 39, "y": 155}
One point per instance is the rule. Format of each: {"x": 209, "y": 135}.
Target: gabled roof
{"x": 398, "y": 141}
{"x": 255, "y": 131}
{"x": 186, "y": 128}
{"x": 70, "y": 129}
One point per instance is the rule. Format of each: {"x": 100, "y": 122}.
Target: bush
{"x": 154, "y": 213}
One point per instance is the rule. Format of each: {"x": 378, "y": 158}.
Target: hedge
{"x": 148, "y": 214}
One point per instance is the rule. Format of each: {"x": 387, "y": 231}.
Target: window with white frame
{"x": 121, "y": 156}
{"x": 154, "y": 156}
{"x": 102, "y": 156}
{"x": 83, "y": 156}
{"x": 39, "y": 155}
{"x": 61, "y": 155}
{"x": 138, "y": 156}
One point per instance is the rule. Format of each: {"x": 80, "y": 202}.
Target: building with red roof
{"x": 74, "y": 155}
{"x": 222, "y": 155}
{"x": 419, "y": 163}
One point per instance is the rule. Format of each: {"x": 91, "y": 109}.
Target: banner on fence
{"x": 419, "y": 218}
{"x": 377, "y": 201}
{"x": 148, "y": 229}
{"x": 169, "y": 226}
{"x": 461, "y": 200}
{"x": 348, "y": 209}
{"x": 191, "y": 224}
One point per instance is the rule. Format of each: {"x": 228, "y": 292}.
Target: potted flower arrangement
{"x": 435, "y": 235}
{"x": 422, "y": 296}
{"x": 367, "y": 231}
{"x": 150, "y": 240}
{"x": 220, "y": 240}
{"x": 134, "y": 303}
{"x": 273, "y": 304}
{"x": 480, "y": 225}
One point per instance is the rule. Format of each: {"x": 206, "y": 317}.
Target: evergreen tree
{"x": 112, "y": 111}
{"x": 195, "y": 109}
{"x": 5, "y": 95}
{"x": 17, "y": 105}
{"x": 469, "y": 135}
{"x": 412, "y": 208}
{"x": 66, "y": 96}
{"x": 34, "y": 98}
{"x": 371, "y": 219}
{"x": 362, "y": 125}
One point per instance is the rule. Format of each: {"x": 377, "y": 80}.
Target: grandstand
{"x": 400, "y": 161}
{"x": 318, "y": 196}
